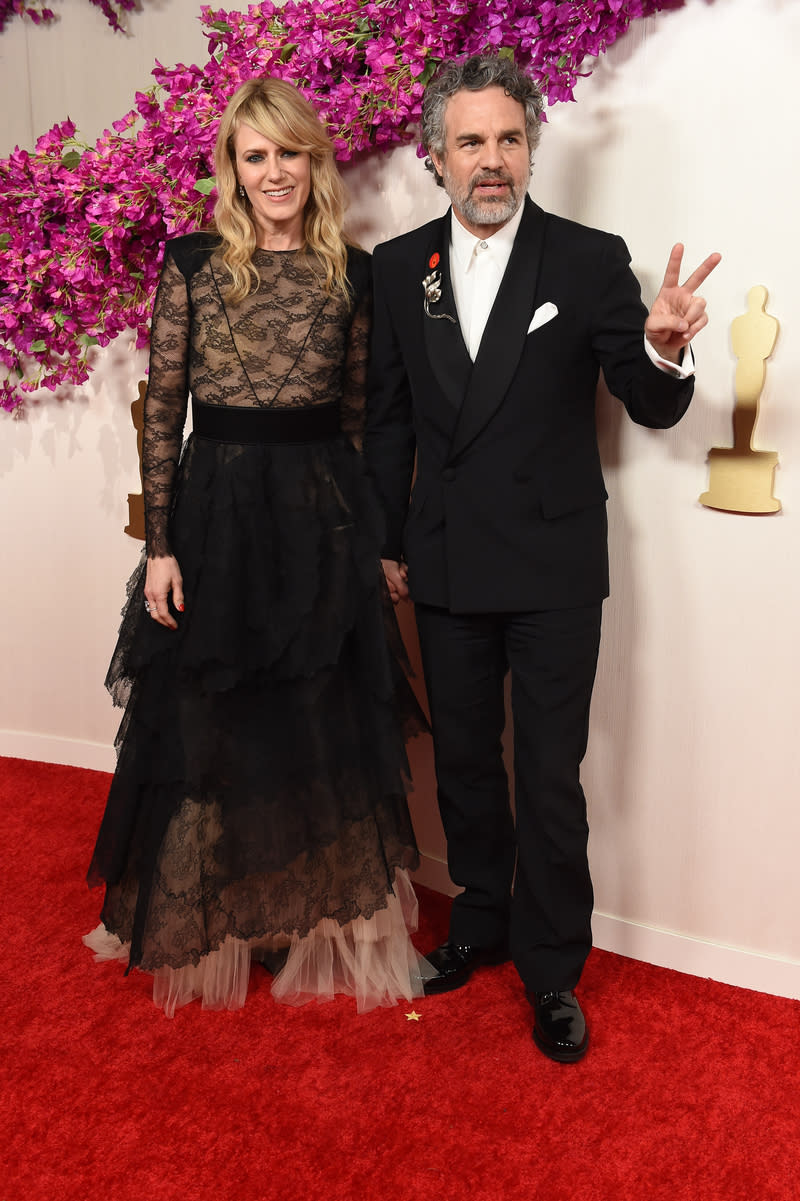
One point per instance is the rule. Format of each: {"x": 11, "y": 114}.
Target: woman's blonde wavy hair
{"x": 277, "y": 111}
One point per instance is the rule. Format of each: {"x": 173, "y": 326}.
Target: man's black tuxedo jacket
{"x": 508, "y": 507}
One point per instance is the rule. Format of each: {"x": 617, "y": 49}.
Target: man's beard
{"x": 491, "y": 210}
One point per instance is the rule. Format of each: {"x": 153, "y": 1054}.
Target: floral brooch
{"x": 432, "y": 287}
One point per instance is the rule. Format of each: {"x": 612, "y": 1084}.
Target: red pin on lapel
{"x": 433, "y": 261}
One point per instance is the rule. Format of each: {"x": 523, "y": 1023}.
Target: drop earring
{"x": 241, "y": 191}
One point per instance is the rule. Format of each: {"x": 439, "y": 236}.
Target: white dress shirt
{"x": 477, "y": 266}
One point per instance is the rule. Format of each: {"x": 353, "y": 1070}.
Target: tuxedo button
{"x": 449, "y": 474}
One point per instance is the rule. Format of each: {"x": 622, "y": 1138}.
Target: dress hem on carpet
{"x": 371, "y": 959}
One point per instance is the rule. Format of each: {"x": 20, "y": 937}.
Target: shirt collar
{"x": 463, "y": 243}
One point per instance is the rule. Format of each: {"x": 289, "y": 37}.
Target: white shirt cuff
{"x": 682, "y": 371}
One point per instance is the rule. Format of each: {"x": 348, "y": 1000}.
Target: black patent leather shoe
{"x": 455, "y": 962}
{"x": 559, "y": 1027}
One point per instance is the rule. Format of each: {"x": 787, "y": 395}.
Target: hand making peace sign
{"x": 677, "y": 314}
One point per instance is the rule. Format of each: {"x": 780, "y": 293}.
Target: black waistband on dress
{"x": 223, "y": 423}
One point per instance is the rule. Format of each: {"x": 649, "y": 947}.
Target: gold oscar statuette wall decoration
{"x": 135, "y": 526}
{"x": 741, "y": 479}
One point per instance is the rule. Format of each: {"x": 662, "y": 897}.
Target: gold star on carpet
{"x": 413, "y": 1016}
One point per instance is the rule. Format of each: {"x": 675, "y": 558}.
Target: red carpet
{"x": 690, "y": 1092}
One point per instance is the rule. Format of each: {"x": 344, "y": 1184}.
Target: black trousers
{"x": 526, "y": 882}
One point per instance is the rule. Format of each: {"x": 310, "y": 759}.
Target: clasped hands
{"x": 396, "y": 575}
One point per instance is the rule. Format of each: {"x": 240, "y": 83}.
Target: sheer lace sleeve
{"x": 354, "y": 389}
{"x": 165, "y": 404}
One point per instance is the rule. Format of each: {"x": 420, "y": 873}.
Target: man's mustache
{"x": 490, "y": 177}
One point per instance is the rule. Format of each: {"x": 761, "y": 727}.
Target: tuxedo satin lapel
{"x": 506, "y": 330}
{"x": 448, "y": 356}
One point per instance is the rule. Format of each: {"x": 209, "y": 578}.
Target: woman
{"x": 258, "y": 803}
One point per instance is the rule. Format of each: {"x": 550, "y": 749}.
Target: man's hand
{"x": 396, "y": 579}
{"x": 677, "y": 314}
{"x": 163, "y": 576}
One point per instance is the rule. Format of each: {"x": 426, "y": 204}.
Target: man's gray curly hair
{"x": 476, "y": 73}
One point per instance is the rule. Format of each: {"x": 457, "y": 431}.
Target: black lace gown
{"x": 259, "y": 797}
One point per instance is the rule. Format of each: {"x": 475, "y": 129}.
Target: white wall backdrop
{"x": 684, "y": 132}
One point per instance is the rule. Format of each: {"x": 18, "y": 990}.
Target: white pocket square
{"x": 545, "y": 312}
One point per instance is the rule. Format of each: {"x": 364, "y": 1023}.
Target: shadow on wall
{"x": 614, "y": 729}
{"x": 628, "y": 759}
{"x": 422, "y": 801}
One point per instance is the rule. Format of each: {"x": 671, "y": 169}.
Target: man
{"x": 491, "y": 325}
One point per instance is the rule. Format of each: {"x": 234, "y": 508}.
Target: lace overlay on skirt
{"x": 191, "y": 912}
{"x": 370, "y": 959}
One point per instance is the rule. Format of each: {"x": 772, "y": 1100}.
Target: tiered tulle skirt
{"x": 259, "y": 805}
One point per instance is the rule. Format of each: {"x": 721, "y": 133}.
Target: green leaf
{"x": 4, "y": 240}
{"x": 220, "y": 26}
{"x": 88, "y": 340}
{"x": 428, "y": 71}
{"x": 96, "y": 232}
{"x": 71, "y": 159}
{"x": 287, "y": 52}
{"x": 38, "y": 346}
{"x": 206, "y": 186}
{"x": 59, "y": 317}
{"x": 505, "y": 52}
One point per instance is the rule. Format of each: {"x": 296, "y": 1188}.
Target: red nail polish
{"x": 180, "y": 608}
